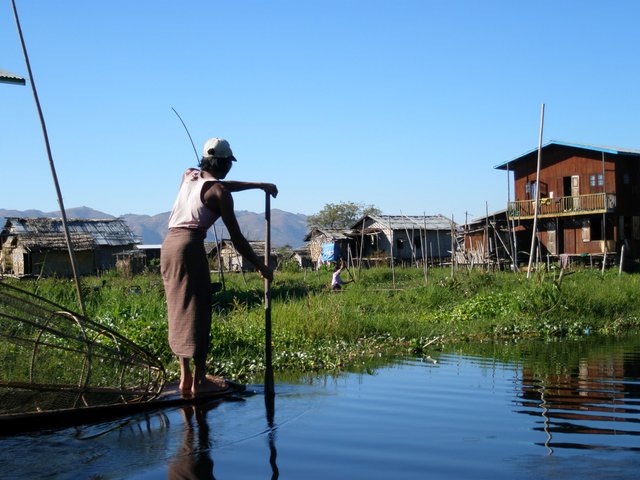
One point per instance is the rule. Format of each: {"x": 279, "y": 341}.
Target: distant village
{"x": 585, "y": 207}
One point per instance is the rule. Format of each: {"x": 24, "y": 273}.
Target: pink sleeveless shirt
{"x": 188, "y": 210}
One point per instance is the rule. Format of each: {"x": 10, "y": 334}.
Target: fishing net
{"x": 52, "y": 359}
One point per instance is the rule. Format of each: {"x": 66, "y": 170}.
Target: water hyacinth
{"x": 383, "y": 313}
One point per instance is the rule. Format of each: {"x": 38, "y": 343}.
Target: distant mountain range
{"x": 286, "y": 228}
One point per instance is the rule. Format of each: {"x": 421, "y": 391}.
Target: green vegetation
{"x": 384, "y": 313}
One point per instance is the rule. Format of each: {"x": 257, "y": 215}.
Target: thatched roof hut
{"x": 37, "y": 246}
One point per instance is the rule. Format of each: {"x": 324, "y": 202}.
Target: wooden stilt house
{"x": 487, "y": 242}
{"x": 589, "y": 199}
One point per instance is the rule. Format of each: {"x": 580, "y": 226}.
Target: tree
{"x": 340, "y": 215}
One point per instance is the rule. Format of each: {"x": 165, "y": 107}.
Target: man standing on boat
{"x": 202, "y": 198}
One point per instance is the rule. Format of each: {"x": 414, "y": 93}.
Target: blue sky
{"x": 406, "y": 105}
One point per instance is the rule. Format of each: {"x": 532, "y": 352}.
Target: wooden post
{"x": 537, "y": 204}
{"x": 453, "y": 250}
{"x": 513, "y": 253}
{"x": 423, "y": 241}
{"x": 393, "y": 272}
{"x": 361, "y": 248}
{"x": 486, "y": 234}
{"x": 621, "y": 260}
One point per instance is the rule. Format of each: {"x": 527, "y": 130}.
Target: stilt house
{"x": 408, "y": 239}
{"x": 589, "y": 199}
{"x": 486, "y": 242}
{"x": 37, "y": 246}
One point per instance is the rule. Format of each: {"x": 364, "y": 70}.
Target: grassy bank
{"x": 383, "y": 313}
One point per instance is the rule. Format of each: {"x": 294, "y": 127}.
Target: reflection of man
{"x": 192, "y": 461}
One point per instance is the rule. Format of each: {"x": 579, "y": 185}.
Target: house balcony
{"x": 563, "y": 206}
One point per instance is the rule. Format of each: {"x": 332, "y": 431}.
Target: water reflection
{"x": 581, "y": 402}
{"x": 526, "y": 409}
{"x": 269, "y": 402}
{"x": 193, "y": 460}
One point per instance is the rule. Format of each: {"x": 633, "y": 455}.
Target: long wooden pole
{"x": 268, "y": 375}
{"x": 63, "y": 213}
{"x": 391, "y": 241}
{"x": 513, "y": 253}
{"x": 537, "y": 204}
{"x": 604, "y": 207}
{"x": 361, "y": 248}
{"x": 424, "y": 246}
{"x": 453, "y": 249}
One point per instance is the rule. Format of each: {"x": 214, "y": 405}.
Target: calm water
{"x": 529, "y": 410}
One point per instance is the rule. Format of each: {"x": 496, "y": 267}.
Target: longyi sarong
{"x": 187, "y": 284}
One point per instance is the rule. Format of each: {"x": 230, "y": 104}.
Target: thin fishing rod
{"x": 215, "y": 233}
{"x": 188, "y": 134}
{"x": 67, "y": 235}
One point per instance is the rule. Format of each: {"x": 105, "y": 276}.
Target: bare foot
{"x": 186, "y": 384}
{"x": 209, "y": 384}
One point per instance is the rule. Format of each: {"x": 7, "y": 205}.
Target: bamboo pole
{"x": 453, "y": 251}
{"x": 486, "y": 234}
{"x": 621, "y": 260}
{"x": 63, "y": 213}
{"x": 423, "y": 241}
{"x": 512, "y": 254}
{"x": 361, "y": 248}
{"x": 604, "y": 206}
{"x": 535, "y": 213}
{"x": 393, "y": 272}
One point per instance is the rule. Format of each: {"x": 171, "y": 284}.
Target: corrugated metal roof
{"x": 408, "y": 222}
{"x": 595, "y": 148}
{"x": 333, "y": 233}
{"x": 7, "y": 77}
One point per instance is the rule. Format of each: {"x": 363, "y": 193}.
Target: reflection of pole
{"x": 67, "y": 235}
{"x": 269, "y": 402}
{"x": 537, "y": 200}
{"x": 545, "y": 411}
{"x": 268, "y": 375}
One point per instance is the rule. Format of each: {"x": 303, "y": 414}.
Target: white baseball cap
{"x": 218, "y": 148}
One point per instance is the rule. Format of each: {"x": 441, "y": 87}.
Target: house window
{"x": 596, "y": 180}
{"x": 530, "y": 189}
{"x": 626, "y": 178}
